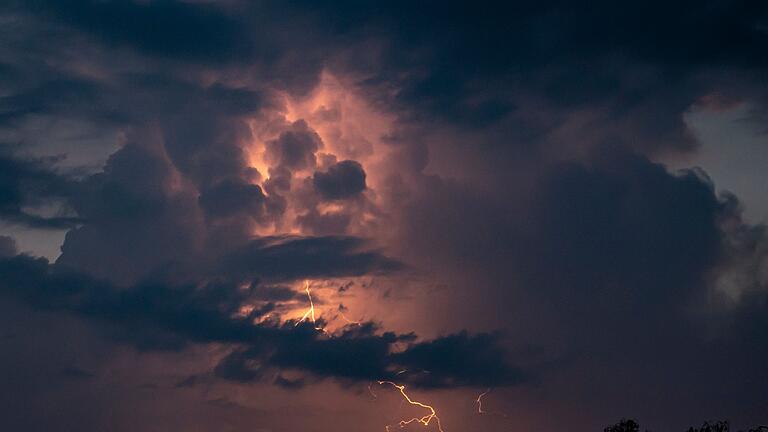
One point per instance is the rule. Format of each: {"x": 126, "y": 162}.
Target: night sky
{"x": 350, "y": 216}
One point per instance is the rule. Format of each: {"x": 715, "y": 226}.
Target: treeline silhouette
{"x": 629, "y": 425}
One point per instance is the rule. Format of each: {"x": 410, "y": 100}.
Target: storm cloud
{"x": 274, "y": 196}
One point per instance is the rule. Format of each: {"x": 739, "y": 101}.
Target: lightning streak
{"x": 349, "y": 321}
{"x": 424, "y": 420}
{"x": 479, "y": 402}
{"x": 310, "y": 313}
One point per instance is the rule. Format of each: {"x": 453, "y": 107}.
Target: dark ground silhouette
{"x": 629, "y": 425}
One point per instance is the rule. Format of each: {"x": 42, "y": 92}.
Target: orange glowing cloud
{"x": 349, "y": 128}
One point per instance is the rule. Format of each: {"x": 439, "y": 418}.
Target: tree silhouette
{"x": 625, "y": 425}
{"x": 629, "y": 425}
{"x": 719, "y": 426}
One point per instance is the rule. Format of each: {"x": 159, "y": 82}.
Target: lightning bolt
{"x": 370, "y": 390}
{"x": 424, "y": 420}
{"x": 479, "y": 402}
{"x": 349, "y": 321}
{"x": 310, "y": 313}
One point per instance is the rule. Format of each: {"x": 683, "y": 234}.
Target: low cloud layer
{"x": 154, "y": 315}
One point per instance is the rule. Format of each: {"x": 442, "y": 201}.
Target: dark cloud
{"x": 189, "y": 381}
{"x": 359, "y": 354}
{"x": 515, "y": 73}
{"x": 132, "y": 202}
{"x": 354, "y": 354}
{"x": 193, "y": 313}
{"x": 147, "y": 306}
{"x": 55, "y": 95}
{"x": 623, "y": 224}
{"x": 290, "y": 384}
{"x": 7, "y": 247}
{"x": 290, "y": 258}
{"x": 155, "y": 315}
{"x": 460, "y": 360}
{"x": 26, "y": 184}
{"x": 76, "y": 373}
{"x": 173, "y": 29}
{"x": 620, "y": 265}
{"x": 273, "y": 292}
{"x": 474, "y": 66}
{"x": 342, "y": 180}
{"x": 230, "y": 197}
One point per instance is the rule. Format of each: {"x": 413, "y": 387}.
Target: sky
{"x": 375, "y": 216}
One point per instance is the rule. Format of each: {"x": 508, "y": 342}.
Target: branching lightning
{"x": 424, "y": 420}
